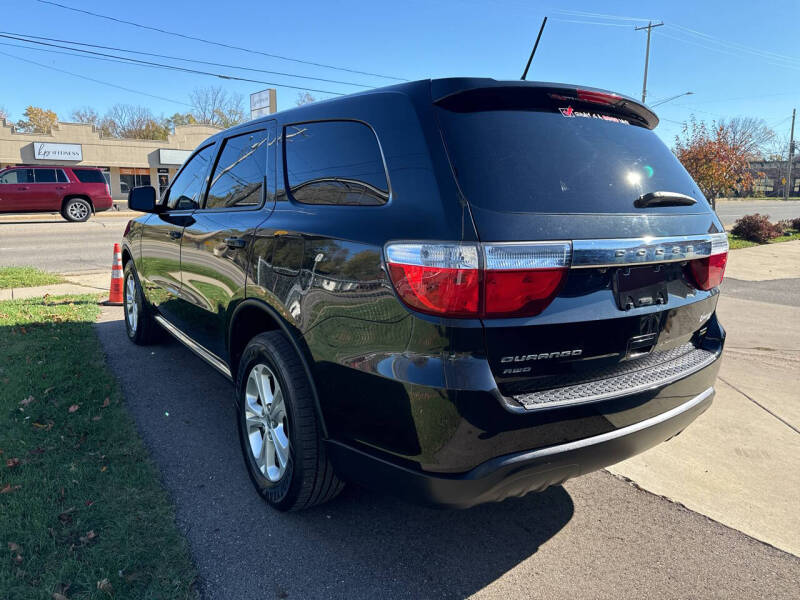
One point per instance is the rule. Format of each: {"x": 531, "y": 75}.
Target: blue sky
{"x": 739, "y": 58}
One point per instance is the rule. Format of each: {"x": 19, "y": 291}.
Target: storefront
{"x": 126, "y": 162}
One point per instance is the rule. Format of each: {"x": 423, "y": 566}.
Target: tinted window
{"x": 188, "y": 185}
{"x": 335, "y": 162}
{"x": 238, "y": 178}
{"x": 44, "y": 175}
{"x": 61, "y": 176}
{"x": 546, "y": 161}
{"x": 18, "y": 176}
{"x": 89, "y": 175}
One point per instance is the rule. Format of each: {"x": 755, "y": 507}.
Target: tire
{"x": 141, "y": 327}
{"x": 76, "y": 210}
{"x": 281, "y": 408}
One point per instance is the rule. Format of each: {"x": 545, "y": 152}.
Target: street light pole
{"x": 791, "y": 154}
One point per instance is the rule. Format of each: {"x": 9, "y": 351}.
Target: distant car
{"x": 75, "y": 192}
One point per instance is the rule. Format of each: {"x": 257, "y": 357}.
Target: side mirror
{"x": 142, "y": 199}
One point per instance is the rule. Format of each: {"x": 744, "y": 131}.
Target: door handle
{"x": 175, "y": 235}
{"x": 23, "y": 188}
{"x": 60, "y": 187}
{"x": 234, "y": 242}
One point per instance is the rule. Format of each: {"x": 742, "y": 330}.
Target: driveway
{"x": 597, "y": 536}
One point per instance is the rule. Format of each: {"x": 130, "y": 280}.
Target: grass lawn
{"x": 736, "y": 242}
{"x": 16, "y": 277}
{"x": 82, "y": 510}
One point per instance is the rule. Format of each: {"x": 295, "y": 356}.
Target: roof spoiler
{"x": 449, "y": 93}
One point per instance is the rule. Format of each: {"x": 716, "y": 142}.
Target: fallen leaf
{"x": 18, "y": 559}
{"x": 27, "y": 401}
{"x": 103, "y": 468}
{"x": 13, "y": 546}
{"x": 9, "y": 488}
{"x": 48, "y": 390}
{"x": 12, "y": 462}
{"x": 65, "y": 517}
{"x": 23, "y": 330}
{"x": 57, "y": 596}
{"x": 106, "y": 402}
{"x": 46, "y": 427}
{"x": 89, "y": 502}
{"x": 104, "y": 585}
{"x": 37, "y": 451}
{"x": 85, "y": 539}
{"x": 74, "y": 407}
{"x": 96, "y": 418}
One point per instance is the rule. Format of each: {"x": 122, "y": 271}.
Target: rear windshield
{"x": 561, "y": 162}
{"x": 89, "y": 175}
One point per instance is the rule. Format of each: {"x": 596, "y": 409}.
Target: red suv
{"x": 75, "y": 192}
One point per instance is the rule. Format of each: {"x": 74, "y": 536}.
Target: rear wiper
{"x": 663, "y": 199}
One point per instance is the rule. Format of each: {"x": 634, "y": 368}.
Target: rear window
{"x": 561, "y": 162}
{"x": 89, "y": 175}
{"x": 335, "y": 162}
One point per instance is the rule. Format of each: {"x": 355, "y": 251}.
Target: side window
{"x": 335, "y": 162}
{"x": 18, "y": 176}
{"x": 187, "y": 187}
{"x": 61, "y": 176}
{"x": 44, "y": 175}
{"x": 90, "y": 175}
{"x": 239, "y": 176}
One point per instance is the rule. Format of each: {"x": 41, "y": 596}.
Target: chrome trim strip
{"x": 588, "y": 254}
{"x": 513, "y": 406}
{"x": 201, "y": 351}
{"x": 612, "y": 435}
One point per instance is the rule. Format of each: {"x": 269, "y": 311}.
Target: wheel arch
{"x": 69, "y": 197}
{"x": 253, "y": 316}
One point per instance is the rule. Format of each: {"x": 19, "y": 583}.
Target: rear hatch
{"x": 641, "y": 250}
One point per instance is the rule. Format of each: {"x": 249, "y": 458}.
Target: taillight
{"x": 513, "y": 280}
{"x": 707, "y": 272}
{"x": 438, "y": 279}
{"x": 606, "y": 98}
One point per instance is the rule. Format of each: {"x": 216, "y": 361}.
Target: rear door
{"x": 47, "y": 195}
{"x": 216, "y": 245}
{"x": 15, "y": 190}
{"x": 551, "y": 165}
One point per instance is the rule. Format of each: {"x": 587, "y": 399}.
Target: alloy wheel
{"x": 266, "y": 422}
{"x": 131, "y": 308}
{"x": 78, "y": 211}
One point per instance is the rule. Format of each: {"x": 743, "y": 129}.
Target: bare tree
{"x": 749, "y": 133}
{"x": 85, "y": 114}
{"x": 304, "y": 98}
{"x": 215, "y": 106}
{"x": 128, "y": 121}
{"x": 3, "y": 113}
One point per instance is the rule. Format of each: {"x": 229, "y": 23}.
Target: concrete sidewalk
{"x": 739, "y": 462}
{"x": 88, "y": 282}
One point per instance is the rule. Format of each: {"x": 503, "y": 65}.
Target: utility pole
{"x": 650, "y": 26}
{"x": 791, "y": 154}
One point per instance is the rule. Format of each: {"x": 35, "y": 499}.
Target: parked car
{"x": 457, "y": 290}
{"x": 75, "y": 192}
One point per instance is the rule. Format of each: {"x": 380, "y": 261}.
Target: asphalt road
{"x": 53, "y": 244}
{"x": 595, "y": 537}
{"x": 777, "y": 210}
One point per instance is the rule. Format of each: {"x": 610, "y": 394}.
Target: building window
{"x": 131, "y": 178}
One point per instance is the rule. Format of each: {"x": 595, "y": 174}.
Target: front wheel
{"x": 141, "y": 327}
{"x": 76, "y": 210}
{"x": 278, "y": 427}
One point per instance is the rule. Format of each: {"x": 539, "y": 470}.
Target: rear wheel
{"x": 141, "y": 327}
{"x": 278, "y": 428}
{"x": 76, "y": 210}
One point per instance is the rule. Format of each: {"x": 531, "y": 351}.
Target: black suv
{"x": 459, "y": 290}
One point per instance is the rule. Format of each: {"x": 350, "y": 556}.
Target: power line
{"x": 590, "y": 22}
{"x": 594, "y": 15}
{"x": 32, "y": 38}
{"x": 151, "y": 64}
{"x": 127, "y": 89}
{"x": 220, "y": 44}
{"x": 737, "y": 45}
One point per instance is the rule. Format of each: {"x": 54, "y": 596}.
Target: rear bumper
{"x": 518, "y": 473}
{"x": 101, "y": 204}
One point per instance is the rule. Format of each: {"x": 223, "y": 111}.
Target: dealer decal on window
{"x": 571, "y": 112}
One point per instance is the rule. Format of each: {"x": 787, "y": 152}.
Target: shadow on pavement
{"x": 361, "y": 545}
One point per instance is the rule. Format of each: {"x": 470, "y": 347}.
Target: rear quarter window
{"x": 89, "y": 176}
{"x": 335, "y": 162}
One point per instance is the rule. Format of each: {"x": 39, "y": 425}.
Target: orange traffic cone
{"x": 115, "y": 292}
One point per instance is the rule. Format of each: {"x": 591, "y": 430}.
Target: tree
{"x": 37, "y": 120}
{"x": 717, "y": 163}
{"x": 3, "y": 113}
{"x": 215, "y": 106}
{"x": 129, "y": 121}
{"x": 179, "y": 119}
{"x": 85, "y": 114}
{"x": 751, "y": 133}
{"x": 304, "y": 98}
